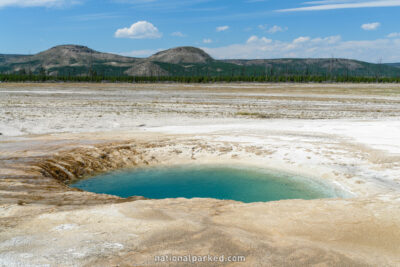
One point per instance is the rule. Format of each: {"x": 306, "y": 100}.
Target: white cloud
{"x": 263, "y": 26}
{"x": 255, "y": 39}
{"x": 393, "y": 35}
{"x": 207, "y": 41}
{"x": 252, "y": 39}
{"x": 343, "y": 4}
{"x": 370, "y": 26}
{"x": 273, "y": 29}
{"x": 36, "y": 3}
{"x": 301, "y": 39}
{"x": 222, "y": 28}
{"x": 140, "y": 53}
{"x": 177, "y": 34}
{"x": 276, "y": 28}
{"x": 307, "y": 47}
{"x": 139, "y": 30}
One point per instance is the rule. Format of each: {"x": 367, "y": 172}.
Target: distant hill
{"x": 67, "y": 60}
{"x": 180, "y": 55}
{"x": 76, "y": 60}
{"x": 394, "y": 64}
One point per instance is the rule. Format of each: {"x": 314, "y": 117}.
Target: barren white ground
{"x": 345, "y": 135}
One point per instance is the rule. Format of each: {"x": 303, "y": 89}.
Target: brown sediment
{"x": 82, "y": 162}
{"x": 45, "y": 179}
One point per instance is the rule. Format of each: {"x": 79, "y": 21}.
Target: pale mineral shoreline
{"x": 347, "y": 135}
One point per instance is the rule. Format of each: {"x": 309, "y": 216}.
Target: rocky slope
{"x": 182, "y": 55}
{"x": 75, "y": 55}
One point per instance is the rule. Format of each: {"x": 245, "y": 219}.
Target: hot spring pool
{"x": 221, "y": 182}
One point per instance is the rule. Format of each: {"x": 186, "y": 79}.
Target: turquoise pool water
{"x": 221, "y": 182}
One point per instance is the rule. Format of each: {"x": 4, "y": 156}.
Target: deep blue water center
{"x": 221, "y": 182}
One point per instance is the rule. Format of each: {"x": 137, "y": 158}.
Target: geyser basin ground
{"x": 346, "y": 134}
{"x": 239, "y": 183}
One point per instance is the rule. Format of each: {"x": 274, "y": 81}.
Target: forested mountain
{"x": 394, "y": 64}
{"x": 78, "y": 61}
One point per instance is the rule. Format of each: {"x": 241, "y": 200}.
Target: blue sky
{"x": 361, "y": 29}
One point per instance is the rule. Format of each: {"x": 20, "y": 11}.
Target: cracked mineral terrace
{"x": 52, "y": 134}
